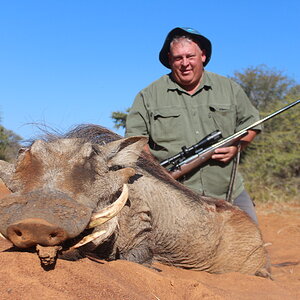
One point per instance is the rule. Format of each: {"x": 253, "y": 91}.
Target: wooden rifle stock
{"x": 200, "y": 158}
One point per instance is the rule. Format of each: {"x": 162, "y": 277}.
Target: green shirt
{"x": 172, "y": 118}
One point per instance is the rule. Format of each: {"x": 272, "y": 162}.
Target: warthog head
{"x": 65, "y": 186}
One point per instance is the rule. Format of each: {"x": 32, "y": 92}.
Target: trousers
{"x": 245, "y": 203}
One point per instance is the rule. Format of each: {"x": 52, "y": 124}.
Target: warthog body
{"x": 59, "y": 183}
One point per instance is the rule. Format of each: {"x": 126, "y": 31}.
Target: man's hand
{"x": 225, "y": 154}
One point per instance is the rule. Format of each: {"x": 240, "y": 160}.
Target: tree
{"x": 9, "y": 144}
{"x": 294, "y": 92}
{"x": 119, "y": 118}
{"x": 271, "y": 164}
{"x": 264, "y": 85}
{"x": 12, "y": 144}
{"x": 271, "y": 167}
{"x": 3, "y": 142}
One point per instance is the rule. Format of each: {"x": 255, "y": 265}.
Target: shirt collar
{"x": 205, "y": 83}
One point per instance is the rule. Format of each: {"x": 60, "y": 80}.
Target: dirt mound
{"x": 23, "y": 278}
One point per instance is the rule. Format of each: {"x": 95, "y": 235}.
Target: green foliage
{"x": 119, "y": 118}
{"x": 9, "y": 144}
{"x": 263, "y": 85}
{"x": 12, "y": 145}
{"x": 294, "y": 92}
{"x": 271, "y": 167}
{"x": 3, "y": 142}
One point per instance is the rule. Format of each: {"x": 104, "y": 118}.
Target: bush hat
{"x": 203, "y": 42}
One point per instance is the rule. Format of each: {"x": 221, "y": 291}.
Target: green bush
{"x": 271, "y": 166}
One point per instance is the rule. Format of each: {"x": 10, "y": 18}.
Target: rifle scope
{"x": 201, "y": 145}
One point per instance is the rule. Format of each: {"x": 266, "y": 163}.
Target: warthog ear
{"x": 6, "y": 172}
{"x": 125, "y": 151}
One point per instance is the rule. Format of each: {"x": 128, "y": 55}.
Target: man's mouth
{"x": 186, "y": 72}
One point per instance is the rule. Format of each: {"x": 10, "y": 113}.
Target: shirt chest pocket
{"x": 224, "y": 117}
{"x": 166, "y": 125}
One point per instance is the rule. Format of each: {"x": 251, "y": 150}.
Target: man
{"x": 181, "y": 108}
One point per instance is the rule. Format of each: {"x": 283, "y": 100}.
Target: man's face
{"x": 186, "y": 60}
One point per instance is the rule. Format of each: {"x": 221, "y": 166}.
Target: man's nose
{"x": 185, "y": 61}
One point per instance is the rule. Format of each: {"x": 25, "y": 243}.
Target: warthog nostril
{"x": 53, "y": 234}
{"x": 18, "y": 232}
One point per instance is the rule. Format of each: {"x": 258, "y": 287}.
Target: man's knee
{"x": 244, "y": 202}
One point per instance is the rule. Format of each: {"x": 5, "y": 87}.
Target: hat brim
{"x": 202, "y": 40}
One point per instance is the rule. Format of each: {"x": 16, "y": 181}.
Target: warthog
{"x": 64, "y": 200}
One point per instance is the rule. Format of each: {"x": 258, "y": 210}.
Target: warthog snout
{"x": 32, "y": 232}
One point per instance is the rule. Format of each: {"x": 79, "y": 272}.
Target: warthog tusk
{"x": 110, "y": 211}
{"x": 2, "y": 236}
{"x": 89, "y": 238}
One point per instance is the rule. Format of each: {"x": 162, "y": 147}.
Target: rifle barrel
{"x": 277, "y": 112}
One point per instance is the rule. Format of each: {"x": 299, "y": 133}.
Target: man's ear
{"x": 203, "y": 55}
{"x": 125, "y": 151}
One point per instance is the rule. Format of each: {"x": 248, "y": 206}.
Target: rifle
{"x": 196, "y": 155}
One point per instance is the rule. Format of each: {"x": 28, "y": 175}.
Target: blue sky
{"x": 67, "y": 62}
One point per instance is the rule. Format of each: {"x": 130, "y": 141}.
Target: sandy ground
{"x": 23, "y": 278}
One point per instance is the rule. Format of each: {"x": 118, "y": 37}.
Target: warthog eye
{"x": 22, "y": 150}
{"x": 115, "y": 168}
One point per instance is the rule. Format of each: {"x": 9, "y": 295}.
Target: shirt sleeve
{"x": 137, "y": 121}
{"x": 247, "y": 114}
